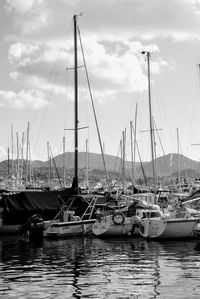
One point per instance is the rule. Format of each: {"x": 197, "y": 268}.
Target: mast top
{"x": 76, "y": 16}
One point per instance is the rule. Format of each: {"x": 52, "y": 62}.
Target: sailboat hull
{"x": 106, "y": 227}
{"x": 67, "y": 229}
{"x": 170, "y": 229}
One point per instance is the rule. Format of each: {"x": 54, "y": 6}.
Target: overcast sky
{"x": 36, "y": 86}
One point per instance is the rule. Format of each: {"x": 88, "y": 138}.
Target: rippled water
{"x": 95, "y": 268}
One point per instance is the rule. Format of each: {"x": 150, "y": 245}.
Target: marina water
{"x": 94, "y": 268}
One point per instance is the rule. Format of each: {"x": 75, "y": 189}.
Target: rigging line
{"x": 54, "y": 162}
{"x": 164, "y": 110}
{"x": 141, "y": 164}
{"x": 194, "y": 112}
{"x": 95, "y": 116}
{"x": 185, "y": 170}
{"x": 50, "y": 93}
{"x": 117, "y": 160}
{"x": 184, "y": 104}
{"x": 60, "y": 158}
{"x": 163, "y": 150}
{"x": 50, "y": 96}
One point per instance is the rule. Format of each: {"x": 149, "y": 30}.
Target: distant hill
{"x": 165, "y": 165}
{"x": 113, "y": 163}
{"x": 169, "y": 164}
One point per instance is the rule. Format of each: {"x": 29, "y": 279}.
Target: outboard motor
{"x": 33, "y": 228}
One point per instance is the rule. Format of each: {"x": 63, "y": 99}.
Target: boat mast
{"x": 12, "y": 151}
{"x": 17, "y": 172}
{"x": 8, "y": 162}
{"x": 178, "y": 152}
{"x": 123, "y": 158}
{"x": 87, "y": 166}
{"x": 49, "y": 164}
{"x": 64, "y": 176}
{"x": 75, "y": 179}
{"x": 132, "y": 167}
{"x": 133, "y": 149}
{"x": 148, "y": 54}
{"x": 27, "y": 151}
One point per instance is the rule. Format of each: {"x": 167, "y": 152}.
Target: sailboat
{"x": 178, "y": 223}
{"x": 64, "y": 212}
{"x": 78, "y": 214}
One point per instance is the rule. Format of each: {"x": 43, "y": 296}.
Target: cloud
{"x": 30, "y": 15}
{"x": 22, "y": 54}
{"x": 109, "y": 62}
{"x": 25, "y": 98}
{"x": 19, "y": 6}
{"x": 112, "y": 45}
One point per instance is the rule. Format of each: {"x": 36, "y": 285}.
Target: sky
{"x": 36, "y": 71}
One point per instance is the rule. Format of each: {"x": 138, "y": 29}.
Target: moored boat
{"x": 179, "y": 224}
{"x": 122, "y": 222}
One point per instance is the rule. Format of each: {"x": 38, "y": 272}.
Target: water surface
{"x": 95, "y": 268}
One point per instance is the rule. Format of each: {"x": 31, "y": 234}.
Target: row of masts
{"x": 20, "y": 168}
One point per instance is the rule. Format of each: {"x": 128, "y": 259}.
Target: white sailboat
{"x": 178, "y": 224}
{"x": 72, "y": 223}
{"x": 125, "y": 221}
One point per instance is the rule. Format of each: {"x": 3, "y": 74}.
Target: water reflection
{"x": 95, "y": 268}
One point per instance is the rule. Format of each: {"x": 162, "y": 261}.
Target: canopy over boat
{"x": 19, "y": 206}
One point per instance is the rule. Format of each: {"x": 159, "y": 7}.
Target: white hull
{"x": 67, "y": 229}
{"x": 167, "y": 229}
{"x": 106, "y": 227}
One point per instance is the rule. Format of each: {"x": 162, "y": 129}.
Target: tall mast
{"x": 135, "y": 138}
{"x": 12, "y": 150}
{"x": 49, "y": 162}
{"x": 133, "y": 149}
{"x": 178, "y": 152}
{"x": 148, "y": 54}
{"x": 17, "y": 159}
{"x": 8, "y": 162}
{"x": 132, "y": 167}
{"x": 64, "y": 177}
{"x": 27, "y": 152}
{"x": 87, "y": 165}
{"x": 123, "y": 158}
{"x": 75, "y": 179}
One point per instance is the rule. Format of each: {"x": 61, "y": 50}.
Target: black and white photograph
{"x": 99, "y": 149}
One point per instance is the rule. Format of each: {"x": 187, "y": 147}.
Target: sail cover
{"x": 18, "y": 207}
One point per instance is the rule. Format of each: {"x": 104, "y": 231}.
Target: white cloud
{"x": 114, "y": 65}
{"x": 23, "y": 99}
{"x": 22, "y": 53}
{"x": 29, "y": 15}
{"x": 19, "y": 6}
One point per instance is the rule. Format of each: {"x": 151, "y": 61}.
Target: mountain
{"x": 95, "y": 161}
{"x": 164, "y": 165}
{"x": 170, "y": 164}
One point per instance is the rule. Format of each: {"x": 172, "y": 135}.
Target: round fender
{"x": 139, "y": 213}
{"x": 118, "y": 218}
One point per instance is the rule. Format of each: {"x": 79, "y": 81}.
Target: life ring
{"x": 118, "y": 218}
